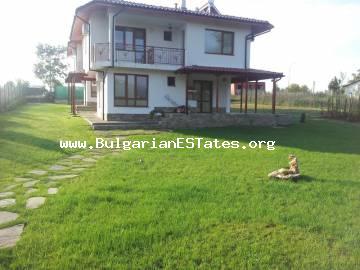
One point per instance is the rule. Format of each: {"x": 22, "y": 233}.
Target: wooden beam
{"x": 274, "y": 96}
{"x": 217, "y": 93}
{"x": 246, "y": 95}
{"x": 241, "y": 97}
{"x": 187, "y": 94}
{"x": 256, "y": 95}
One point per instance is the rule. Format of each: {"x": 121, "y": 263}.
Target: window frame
{"x": 93, "y": 94}
{"x": 222, "y": 41}
{"x": 126, "y": 98}
{"x": 171, "y": 35}
{"x": 173, "y": 77}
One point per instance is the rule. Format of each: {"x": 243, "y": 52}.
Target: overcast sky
{"x": 312, "y": 40}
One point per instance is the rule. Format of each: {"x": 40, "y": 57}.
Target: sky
{"x": 312, "y": 41}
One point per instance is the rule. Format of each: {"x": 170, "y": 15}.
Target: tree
{"x": 50, "y": 68}
{"x": 335, "y": 86}
{"x": 356, "y": 76}
{"x": 296, "y": 88}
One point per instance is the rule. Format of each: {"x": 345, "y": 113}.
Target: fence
{"x": 10, "y": 96}
{"x": 343, "y": 107}
{"x": 62, "y": 94}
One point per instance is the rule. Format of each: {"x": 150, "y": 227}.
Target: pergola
{"x": 238, "y": 75}
{"x": 72, "y": 79}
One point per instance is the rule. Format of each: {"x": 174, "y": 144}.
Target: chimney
{"x": 183, "y": 4}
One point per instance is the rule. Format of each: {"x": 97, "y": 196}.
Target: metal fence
{"x": 10, "y": 96}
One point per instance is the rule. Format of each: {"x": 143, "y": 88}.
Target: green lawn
{"x": 199, "y": 209}
{"x": 29, "y": 137}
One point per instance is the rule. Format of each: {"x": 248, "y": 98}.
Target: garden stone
{"x": 35, "y": 202}
{"x": 22, "y": 179}
{"x": 89, "y": 160}
{"x": 53, "y": 191}
{"x": 76, "y": 157}
{"x": 6, "y": 194}
{"x": 31, "y": 190}
{"x": 82, "y": 166}
{"x": 30, "y": 184}
{"x": 9, "y": 236}
{"x": 62, "y": 177}
{"x": 7, "y": 202}
{"x": 78, "y": 169}
{"x": 6, "y": 217}
{"x": 11, "y": 187}
{"x": 57, "y": 168}
{"x": 38, "y": 172}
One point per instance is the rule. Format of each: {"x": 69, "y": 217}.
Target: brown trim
{"x": 200, "y": 95}
{"x": 127, "y": 28}
{"x": 126, "y": 98}
{"x": 256, "y": 95}
{"x": 222, "y": 42}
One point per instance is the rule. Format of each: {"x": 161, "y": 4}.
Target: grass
{"x": 206, "y": 209}
{"x": 29, "y": 137}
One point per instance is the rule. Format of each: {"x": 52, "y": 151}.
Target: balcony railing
{"x": 139, "y": 54}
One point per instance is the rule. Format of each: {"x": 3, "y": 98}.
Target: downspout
{"x": 103, "y": 72}
{"x": 251, "y": 37}
{"x": 112, "y": 38}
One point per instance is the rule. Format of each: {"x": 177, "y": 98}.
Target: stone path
{"x": 35, "y": 181}
{"x": 7, "y": 202}
{"x": 6, "y": 217}
{"x": 35, "y": 202}
{"x": 9, "y": 236}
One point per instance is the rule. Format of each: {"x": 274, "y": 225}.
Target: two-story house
{"x": 135, "y": 58}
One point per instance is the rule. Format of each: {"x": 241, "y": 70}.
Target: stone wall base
{"x": 203, "y": 120}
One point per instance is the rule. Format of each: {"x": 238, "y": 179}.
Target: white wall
{"x": 157, "y": 92}
{"x": 195, "y": 47}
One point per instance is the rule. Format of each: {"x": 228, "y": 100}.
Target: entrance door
{"x": 204, "y": 97}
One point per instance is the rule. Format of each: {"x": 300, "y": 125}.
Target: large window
{"x": 219, "y": 42}
{"x": 131, "y": 90}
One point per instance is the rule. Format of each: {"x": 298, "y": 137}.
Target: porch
{"x": 236, "y": 76}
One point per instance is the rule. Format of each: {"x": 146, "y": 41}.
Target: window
{"x": 171, "y": 81}
{"x": 93, "y": 89}
{"x": 167, "y": 35}
{"x": 130, "y": 90}
{"x": 219, "y": 42}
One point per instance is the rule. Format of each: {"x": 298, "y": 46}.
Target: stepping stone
{"x": 62, "y": 177}
{"x": 22, "y": 179}
{"x": 68, "y": 163}
{"x": 6, "y": 194}
{"x": 79, "y": 169}
{"x": 89, "y": 160}
{"x": 11, "y": 187}
{"x": 82, "y": 165}
{"x": 9, "y": 236}
{"x": 97, "y": 156}
{"x": 38, "y": 172}
{"x": 35, "y": 202}
{"x": 7, "y": 202}
{"x": 30, "y": 184}
{"x": 53, "y": 191}
{"x": 76, "y": 157}
{"x": 6, "y": 217}
{"x": 31, "y": 190}
{"x": 57, "y": 168}
{"x": 52, "y": 184}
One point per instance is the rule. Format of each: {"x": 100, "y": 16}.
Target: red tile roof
{"x": 265, "y": 25}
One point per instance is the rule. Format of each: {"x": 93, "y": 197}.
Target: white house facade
{"x": 136, "y": 58}
{"x": 352, "y": 89}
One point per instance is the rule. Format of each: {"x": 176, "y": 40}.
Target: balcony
{"x": 128, "y": 53}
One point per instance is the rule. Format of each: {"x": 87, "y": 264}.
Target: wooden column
{"x": 256, "y": 95}
{"x": 274, "y": 96}
{"x": 241, "y": 97}
{"x": 246, "y": 95}
{"x": 187, "y": 94}
{"x": 217, "y": 93}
